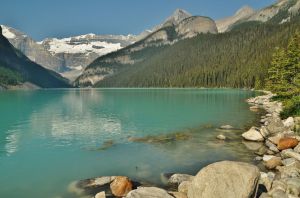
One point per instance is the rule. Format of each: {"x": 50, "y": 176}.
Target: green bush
{"x": 291, "y": 107}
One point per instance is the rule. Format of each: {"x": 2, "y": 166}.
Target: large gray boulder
{"x": 275, "y": 125}
{"x": 253, "y": 135}
{"x": 225, "y": 179}
{"x": 148, "y": 192}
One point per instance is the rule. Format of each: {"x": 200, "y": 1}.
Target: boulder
{"x": 179, "y": 178}
{"x": 275, "y": 125}
{"x": 266, "y": 179}
{"x": 183, "y": 187}
{"x": 286, "y": 143}
{"x": 289, "y": 123}
{"x": 100, "y": 195}
{"x": 225, "y": 179}
{"x": 271, "y": 146}
{"x": 289, "y": 153}
{"x": 148, "y": 192}
{"x": 264, "y": 132}
{"x": 273, "y": 162}
{"x": 297, "y": 148}
{"x": 221, "y": 137}
{"x": 253, "y": 135}
{"x": 121, "y": 186}
{"x": 289, "y": 161}
{"x": 275, "y": 139}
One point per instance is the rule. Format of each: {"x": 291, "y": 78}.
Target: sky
{"x": 63, "y": 18}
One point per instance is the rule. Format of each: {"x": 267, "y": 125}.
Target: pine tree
{"x": 292, "y": 67}
{"x": 284, "y": 77}
{"x": 276, "y": 81}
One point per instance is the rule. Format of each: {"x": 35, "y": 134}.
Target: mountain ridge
{"x": 26, "y": 71}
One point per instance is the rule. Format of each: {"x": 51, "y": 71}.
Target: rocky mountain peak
{"x": 178, "y": 16}
{"x": 242, "y": 14}
{"x": 245, "y": 10}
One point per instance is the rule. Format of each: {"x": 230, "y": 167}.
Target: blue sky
{"x": 62, "y": 18}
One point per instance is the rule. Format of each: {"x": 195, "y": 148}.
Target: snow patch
{"x": 66, "y": 45}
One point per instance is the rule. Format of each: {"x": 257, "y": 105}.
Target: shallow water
{"x": 49, "y": 138}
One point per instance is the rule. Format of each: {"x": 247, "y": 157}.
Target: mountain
{"x": 169, "y": 57}
{"x": 243, "y": 13}
{"x": 177, "y": 16}
{"x": 239, "y": 59}
{"x": 35, "y": 52}
{"x": 177, "y": 27}
{"x": 17, "y": 69}
{"x": 69, "y": 56}
{"x": 280, "y": 12}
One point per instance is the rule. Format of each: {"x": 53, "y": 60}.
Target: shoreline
{"x": 273, "y": 176}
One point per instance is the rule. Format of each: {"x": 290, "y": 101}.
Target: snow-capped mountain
{"x": 69, "y": 56}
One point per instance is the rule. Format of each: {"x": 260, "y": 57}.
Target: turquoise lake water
{"x": 49, "y": 138}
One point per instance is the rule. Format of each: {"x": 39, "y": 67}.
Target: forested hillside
{"x": 239, "y": 58}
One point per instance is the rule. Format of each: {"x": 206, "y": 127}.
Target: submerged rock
{"x": 91, "y": 186}
{"x": 121, "y": 186}
{"x": 221, "y": 137}
{"x": 106, "y": 145}
{"x": 225, "y": 180}
{"x": 145, "y": 192}
{"x": 179, "y": 178}
{"x": 227, "y": 128}
{"x": 253, "y": 146}
{"x": 161, "y": 138}
{"x": 253, "y": 135}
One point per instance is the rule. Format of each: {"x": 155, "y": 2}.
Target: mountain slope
{"x": 238, "y": 58}
{"x": 20, "y": 69}
{"x": 171, "y": 32}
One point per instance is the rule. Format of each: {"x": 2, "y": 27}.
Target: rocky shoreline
{"x": 277, "y": 174}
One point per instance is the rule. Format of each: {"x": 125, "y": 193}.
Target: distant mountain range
{"x": 16, "y": 69}
{"x": 68, "y": 56}
{"x": 91, "y": 59}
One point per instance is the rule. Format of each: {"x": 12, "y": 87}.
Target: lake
{"x": 49, "y": 138}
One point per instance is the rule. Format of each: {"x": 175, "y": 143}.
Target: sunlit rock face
{"x": 243, "y": 13}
